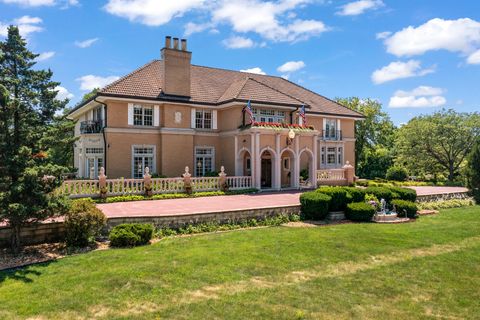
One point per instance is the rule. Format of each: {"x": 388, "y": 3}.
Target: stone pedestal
{"x": 102, "y": 183}
{"x": 222, "y": 181}
{"x": 147, "y": 182}
{"x": 187, "y": 180}
{"x": 349, "y": 173}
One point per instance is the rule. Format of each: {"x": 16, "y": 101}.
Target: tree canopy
{"x": 437, "y": 143}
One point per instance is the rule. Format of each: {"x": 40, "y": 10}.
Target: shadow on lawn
{"x": 24, "y": 273}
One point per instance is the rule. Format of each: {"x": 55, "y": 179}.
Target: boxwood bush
{"x": 314, "y": 205}
{"x": 83, "y": 222}
{"x": 131, "y": 234}
{"x": 397, "y": 173}
{"x": 404, "y": 194}
{"x": 355, "y": 194}
{"x": 405, "y": 207}
{"x": 359, "y": 211}
{"x": 380, "y": 193}
{"x": 338, "y": 195}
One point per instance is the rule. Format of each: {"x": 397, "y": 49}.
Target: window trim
{"x": 143, "y": 108}
{"x": 202, "y": 119}
{"x": 154, "y": 162}
{"x": 195, "y": 158}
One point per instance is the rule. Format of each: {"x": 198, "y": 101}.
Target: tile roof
{"x": 216, "y": 86}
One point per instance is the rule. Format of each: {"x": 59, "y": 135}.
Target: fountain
{"x": 385, "y": 214}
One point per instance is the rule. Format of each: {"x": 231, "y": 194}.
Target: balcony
{"x": 332, "y": 135}
{"x": 91, "y": 126}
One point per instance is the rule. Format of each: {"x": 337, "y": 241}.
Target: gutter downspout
{"x": 291, "y": 115}
{"x": 103, "y": 133}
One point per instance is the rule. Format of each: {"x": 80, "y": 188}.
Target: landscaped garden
{"x": 430, "y": 268}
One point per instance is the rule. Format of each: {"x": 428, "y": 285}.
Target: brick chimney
{"x": 176, "y": 67}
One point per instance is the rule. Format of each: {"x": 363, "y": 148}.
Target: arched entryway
{"x": 307, "y": 169}
{"x": 244, "y": 163}
{"x": 266, "y": 169}
{"x": 287, "y": 169}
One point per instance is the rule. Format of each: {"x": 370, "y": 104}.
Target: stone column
{"x": 222, "y": 181}
{"x": 278, "y": 164}
{"x": 349, "y": 173}
{"x": 237, "y": 160}
{"x": 187, "y": 180}
{"x": 258, "y": 162}
{"x": 296, "y": 167}
{"x": 102, "y": 183}
{"x": 253, "y": 158}
{"x": 147, "y": 182}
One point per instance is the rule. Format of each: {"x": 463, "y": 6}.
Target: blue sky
{"x": 413, "y": 56}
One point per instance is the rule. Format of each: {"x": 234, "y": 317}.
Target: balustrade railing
{"x": 239, "y": 182}
{"x": 205, "y": 183}
{"x": 331, "y": 175}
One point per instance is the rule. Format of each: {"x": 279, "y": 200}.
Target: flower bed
{"x": 280, "y": 126}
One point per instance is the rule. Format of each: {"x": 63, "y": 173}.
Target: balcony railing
{"x": 91, "y": 126}
{"x": 332, "y": 135}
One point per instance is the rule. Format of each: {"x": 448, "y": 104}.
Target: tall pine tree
{"x": 28, "y": 105}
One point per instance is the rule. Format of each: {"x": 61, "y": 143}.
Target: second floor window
{"x": 142, "y": 116}
{"x": 330, "y": 128}
{"x": 203, "y": 119}
{"x": 268, "y": 115}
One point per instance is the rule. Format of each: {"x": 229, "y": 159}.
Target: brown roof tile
{"x": 215, "y": 86}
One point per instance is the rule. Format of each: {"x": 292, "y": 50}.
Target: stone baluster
{"x": 222, "y": 181}
{"x": 187, "y": 180}
{"x": 102, "y": 183}
{"x": 147, "y": 182}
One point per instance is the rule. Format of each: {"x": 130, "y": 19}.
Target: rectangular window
{"x": 286, "y": 164}
{"x": 203, "y": 119}
{"x": 268, "y": 115}
{"x": 340, "y": 155}
{"x": 143, "y": 157}
{"x": 330, "y": 128}
{"x": 323, "y": 155}
{"x": 142, "y": 116}
{"x": 204, "y": 160}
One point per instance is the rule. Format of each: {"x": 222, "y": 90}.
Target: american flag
{"x": 248, "y": 109}
{"x": 303, "y": 115}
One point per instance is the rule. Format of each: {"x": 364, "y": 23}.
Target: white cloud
{"x": 420, "y": 97}
{"x": 461, "y": 35}
{"x": 63, "y": 93}
{"x": 383, "y": 35}
{"x": 474, "y": 58}
{"x": 45, "y": 56}
{"x": 400, "y": 70}
{"x": 237, "y": 42}
{"x": 90, "y": 82}
{"x": 26, "y": 26}
{"x": 291, "y": 66}
{"x": 30, "y": 3}
{"x": 86, "y": 43}
{"x": 191, "y": 28}
{"x": 358, "y": 7}
{"x": 256, "y": 70}
{"x": 265, "y": 19}
{"x": 151, "y": 12}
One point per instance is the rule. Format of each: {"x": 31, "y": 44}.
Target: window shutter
{"x": 339, "y": 127}
{"x": 130, "y": 114}
{"x": 156, "y": 115}
{"x": 192, "y": 120}
{"x": 324, "y": 124}
{"x": 214, "y": 120}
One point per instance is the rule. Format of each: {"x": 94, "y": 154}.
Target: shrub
{"x": 445, "y": 204}
{"x": 397, "y": 173}
{"x": 83, "y": 223}
{"x": 130, "y": 234}
{"x": 405, "y": 207}
{"x": 380, "y": 193}
{"x": 359, "y": 211}
{"x": 404, "y": 194}
{"x": 315, "y": 205}
{"x": 355, "y": 194}
{"x": 338, "y": 195}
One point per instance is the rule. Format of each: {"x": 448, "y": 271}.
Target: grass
{"x": 426, "y": 269}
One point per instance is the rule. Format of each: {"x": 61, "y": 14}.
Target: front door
{"x": 266, "y": 173}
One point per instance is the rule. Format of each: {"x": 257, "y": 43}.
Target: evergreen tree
{"x": 28, "y": 106}
{"x": 473, "y": 174}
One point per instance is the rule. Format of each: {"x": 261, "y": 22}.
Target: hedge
{"x": 380, "y": 193}
{"x": 83, "y": 222}
{"x": 404, "y": 194}
{"x": 403, "y": 206}
{"x": 355, "y": 194}
{"x": 315, "y": 205}
{"x": 359, "y": 211}
{"x": 131, "y": 234}
{"x": 338, "y": 195}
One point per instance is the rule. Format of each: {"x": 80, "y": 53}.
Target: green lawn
{"x": 426, "y": 269}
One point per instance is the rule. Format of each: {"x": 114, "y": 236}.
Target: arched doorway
{"x": 244, "y": 163}
{"x": 307, "y": 169}
{"x": 287, "y": 169}
{"x": 266, "y": 176}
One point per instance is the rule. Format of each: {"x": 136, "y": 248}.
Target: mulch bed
{"x": 427, "y": 212}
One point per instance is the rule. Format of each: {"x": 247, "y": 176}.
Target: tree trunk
{"x": 16, "y": 242}
{"x": 451, "y": 172}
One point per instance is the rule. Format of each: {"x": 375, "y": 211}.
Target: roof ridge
{"x": 235, "y": 95}
{"x": 241, "y": 87}
{"x": 274, "y": 89}
{"x": 128, "y": 75}
{"x": 318, "y": 94}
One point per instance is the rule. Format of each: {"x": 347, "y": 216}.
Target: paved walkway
{"x": 155, "y": 208}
